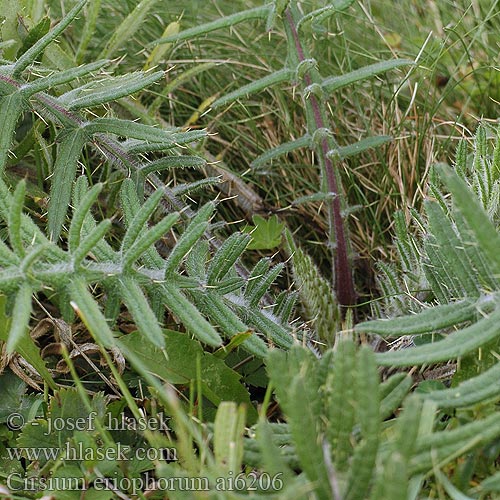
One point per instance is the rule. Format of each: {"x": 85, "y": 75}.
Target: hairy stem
{"x": 344, "y": 286}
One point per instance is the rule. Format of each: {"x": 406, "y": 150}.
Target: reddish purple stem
{"x": 344, "y": 286}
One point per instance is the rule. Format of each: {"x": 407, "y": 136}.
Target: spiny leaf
{"x": 480, "y": 388}
{"x": 88, "y": 310}
{"x": 20, "y": 317}
{"x": 90, "y": 241}
{"x": 360, "y": 146}
{"x": 452, "y": 346}
{"x": 68, "y": 154}
{"x": 169, "y": 162}
{"x": 107, "y": 90}
{"x": 428, "y": 321}
{"x": 79, "y": 215}
{"x": 33, "y": 52}
{"x": 336, "y": 82}
{"x": 191, "y": 235}
{"x": 138, "y": 223}
{"x": 262, "y": 285}
{"x": 280, "y": 76}
{"x": 140, "y": 309}
{"x": 177, "y": 302}
{"x": 15, "y": 214}
{"x": 11, "y": 107}
{"x": 226, "y": 257}
{"x": 256, "y": 13}
{"x": 438, "y": 448}
{"x": 59, "y": 78}
{"x": 144, "y": 243}
{"x": 480, "y": 226}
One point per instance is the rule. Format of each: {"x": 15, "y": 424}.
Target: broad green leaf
{"x": 177, "y": 365}
{"x": 266, "y": 233}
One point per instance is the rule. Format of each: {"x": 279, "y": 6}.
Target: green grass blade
{"x": 91, "y": 17}
{"x": 127, "y": 28}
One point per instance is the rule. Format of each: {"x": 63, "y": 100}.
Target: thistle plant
{"x": 301, "y": 71}
{"x": 189, "y": 280}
